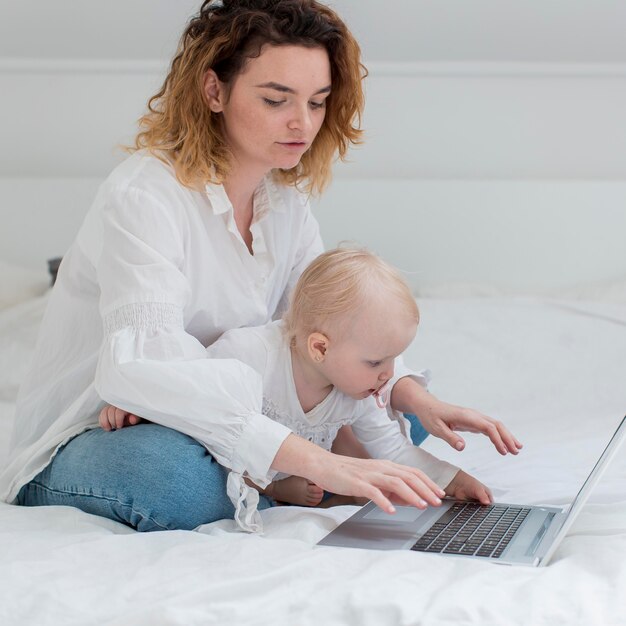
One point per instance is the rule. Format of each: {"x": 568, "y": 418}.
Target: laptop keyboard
{"x": 470, "y": 528}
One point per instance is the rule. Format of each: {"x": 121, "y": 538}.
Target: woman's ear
{"x": 214, "y": 91}
{"x": 317, "y": 345}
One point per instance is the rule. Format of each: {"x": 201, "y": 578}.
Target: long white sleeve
{"x": 151, "y": 366}
{"x": 164, "y": 375}
{"x": 157, "y": 272}
{"x": 383, "y": 439}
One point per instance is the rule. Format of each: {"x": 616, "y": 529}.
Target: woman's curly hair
{"x": 179, "y": 126}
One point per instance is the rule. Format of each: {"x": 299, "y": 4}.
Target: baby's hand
{"x": 112, "y": 418}
{"x": 444, "y": 419}
{"x": 466, "y": 487}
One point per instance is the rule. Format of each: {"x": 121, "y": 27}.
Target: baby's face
{"x": 360, "y": 360}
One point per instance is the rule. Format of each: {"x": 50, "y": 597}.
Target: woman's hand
{"x": 384, "y": 482}
{"x": 466, "y": 487}
{"x": 112, "y": 418}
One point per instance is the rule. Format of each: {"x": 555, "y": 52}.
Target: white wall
{"x": 424, "y": 121}
{"x": 480, "y": 168}
{"x": 504, "y": 236}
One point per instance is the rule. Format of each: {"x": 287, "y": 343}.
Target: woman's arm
{"x": 148, "y": 364}
{"x": 383, "y": 482}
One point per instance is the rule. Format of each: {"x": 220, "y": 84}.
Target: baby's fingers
{"x": 512, "y": 444}
{"x": 119, "y": 417}
{"x": 106, "y": 419}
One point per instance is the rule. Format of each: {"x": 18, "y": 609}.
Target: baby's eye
{"x": 374, "y": 363}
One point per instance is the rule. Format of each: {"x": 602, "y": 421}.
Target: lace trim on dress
{"x": 143, "y": 316}
{"x": 321, "y": 435}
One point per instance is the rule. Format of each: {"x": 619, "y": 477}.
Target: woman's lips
{"x": 293, "y": 145}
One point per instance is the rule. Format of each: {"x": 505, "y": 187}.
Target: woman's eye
{"x": 272, "y": 103}
{"x": 318, "y": 105}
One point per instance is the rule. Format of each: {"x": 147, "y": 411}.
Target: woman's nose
{"x": 301, "y": 119}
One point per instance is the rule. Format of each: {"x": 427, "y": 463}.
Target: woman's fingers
{"x": 390, "y": 482}
{"x": 378, "y": 498}
{"x": 423, "y": 486}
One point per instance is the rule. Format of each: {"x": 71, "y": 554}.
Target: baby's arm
{"x": 442, "y": 419}
{"x": 383, "y": 439}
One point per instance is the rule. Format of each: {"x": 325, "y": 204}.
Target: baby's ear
{"x": 317, "y": 345}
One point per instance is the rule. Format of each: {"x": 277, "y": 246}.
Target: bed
{"x": 554, "y": 369}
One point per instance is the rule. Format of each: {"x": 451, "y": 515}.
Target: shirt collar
{"x": 267, "y": 197}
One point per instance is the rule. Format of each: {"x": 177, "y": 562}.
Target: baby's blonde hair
{"x": 341, "y": 282}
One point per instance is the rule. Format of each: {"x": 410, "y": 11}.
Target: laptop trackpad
{"x": 402, "y": 514}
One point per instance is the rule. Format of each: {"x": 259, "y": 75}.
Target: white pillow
{"x": 18, "y": 284}
{"x": 19, "y": 327}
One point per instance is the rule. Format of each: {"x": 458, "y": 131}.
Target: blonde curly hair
{"x": 179, "y": 127}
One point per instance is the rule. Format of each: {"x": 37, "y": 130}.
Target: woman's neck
{"x": 240, "y": 185}
{"x": 240, "y": 189}
{"x": 311, "y": 386}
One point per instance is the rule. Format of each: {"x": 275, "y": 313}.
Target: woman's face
{"x": 275, "y": 106}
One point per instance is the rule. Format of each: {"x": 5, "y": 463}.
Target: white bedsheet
{"x": 553, "y": 370}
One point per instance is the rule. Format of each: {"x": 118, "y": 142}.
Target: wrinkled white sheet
{"x": 554, "y": 371}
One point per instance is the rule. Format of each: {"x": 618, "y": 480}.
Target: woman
{"x": 206, "y": 227}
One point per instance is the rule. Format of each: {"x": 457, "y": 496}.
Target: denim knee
{"x": 146, "y": 476}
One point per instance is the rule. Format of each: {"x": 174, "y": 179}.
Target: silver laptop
{"x": 509, "y": 534}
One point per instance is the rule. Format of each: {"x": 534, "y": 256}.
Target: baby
{"x": 327, "y": 365}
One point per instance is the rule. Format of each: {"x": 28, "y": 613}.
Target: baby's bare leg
{"x": 300, "y": 491}
{"x": 293, "y": 490}
{"x": 347, "y": 444}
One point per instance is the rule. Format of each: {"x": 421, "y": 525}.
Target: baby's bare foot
{"x": 295, "y": 490}
{"x": 336, "y": 500}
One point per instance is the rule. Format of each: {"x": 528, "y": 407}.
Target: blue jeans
{"x": 418, "y": 432}
{"x": 147, "y": 476}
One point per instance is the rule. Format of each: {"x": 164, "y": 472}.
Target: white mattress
{"x": 553, "y": 370}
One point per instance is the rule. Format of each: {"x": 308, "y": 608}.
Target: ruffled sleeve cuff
{"x": 250, "y": 456}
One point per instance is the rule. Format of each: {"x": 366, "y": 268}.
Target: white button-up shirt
{"x": 157, "y": 273}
